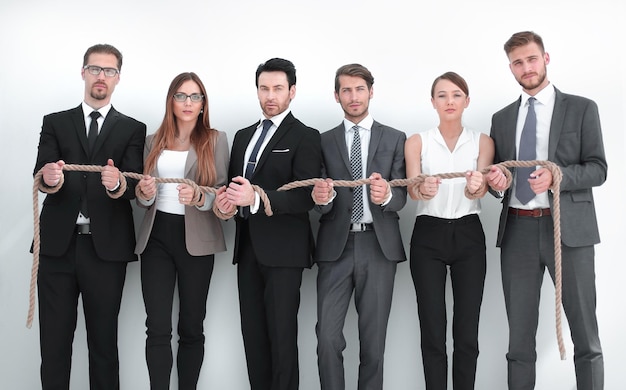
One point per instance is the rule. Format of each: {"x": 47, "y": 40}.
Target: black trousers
{"x": 269, "y": 299}
{"x": 459, "y": 244}
{"x": 61, "y": 280}
{"x": 165, "y": 262}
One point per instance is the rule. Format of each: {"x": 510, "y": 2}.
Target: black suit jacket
{"x": 64, "y": 137}
{"x": 293, "y": 153}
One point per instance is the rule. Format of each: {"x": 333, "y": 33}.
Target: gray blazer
{"x": 575, "y": 145}
{"x": 385, "y": 156}
{"x": 203, "y": 230}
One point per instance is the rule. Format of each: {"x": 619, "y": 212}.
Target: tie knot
{"x": 267, "y": 124}
{"x": 94, "y": 115}
{"x": 355, "y": 129}
{"x": 531, "y": 101}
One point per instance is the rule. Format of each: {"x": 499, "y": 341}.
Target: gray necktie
{"x": 527, "y": 152}
{"x": 357, "y": 173}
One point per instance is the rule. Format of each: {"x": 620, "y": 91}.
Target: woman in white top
{"x": 180, "y": 233}
{"x": 448, "y": 233}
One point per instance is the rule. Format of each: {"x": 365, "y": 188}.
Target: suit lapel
{"x": 556, "y": 124}
{"x": 339, "y": 134}
{"x": 78, "y": 120}
{"x": 280, "y": 133}
{"x": 375, "y": 136}
{"x": 192, "y": 159}
{"x": 109, "y": 123}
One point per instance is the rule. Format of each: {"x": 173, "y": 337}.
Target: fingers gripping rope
{"x": 415, "y": 181}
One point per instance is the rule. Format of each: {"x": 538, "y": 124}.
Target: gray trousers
{"x": 362, "y": 268}
{"x": 527, "y": 250}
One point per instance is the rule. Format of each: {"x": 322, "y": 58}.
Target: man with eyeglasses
{"x": 86, "y": 228}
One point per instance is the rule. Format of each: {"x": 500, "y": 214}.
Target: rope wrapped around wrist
{"x": 420, "y": 195}
{"x": 120, "y": 190}
{"x": 479, "y": 193}
{"x": 222, "y": 215}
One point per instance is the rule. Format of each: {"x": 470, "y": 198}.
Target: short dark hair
{"x": 455, "y": 79}
{"x": 355, "y": 70}
{"x": 104, "y": 49}
{"x": 523, "y": 38}
{"x": 277, "y": 65}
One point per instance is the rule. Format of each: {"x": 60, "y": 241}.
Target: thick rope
{"x": 414, "y": 181}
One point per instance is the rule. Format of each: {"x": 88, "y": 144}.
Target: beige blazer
{"x": 203, "y": 230}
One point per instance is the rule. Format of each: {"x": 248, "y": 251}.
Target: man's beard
{"x": 529, "y": 85}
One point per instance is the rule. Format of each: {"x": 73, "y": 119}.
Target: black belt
{"x": 83, "y": 229}
{"x": 361, "y": 227}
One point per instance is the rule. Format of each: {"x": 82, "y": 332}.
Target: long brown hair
{"x": 203, "y": 137}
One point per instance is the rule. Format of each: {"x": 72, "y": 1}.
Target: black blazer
{"x": 293, "y": 153}
{"x": 64, "y": 137}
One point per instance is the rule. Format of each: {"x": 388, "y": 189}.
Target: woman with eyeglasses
{"x": 180, "y": 233}
{"x": 448, "y": 234}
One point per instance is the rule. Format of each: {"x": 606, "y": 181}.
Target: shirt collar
{"x": 366, "y": 123}
{"x": 87, "y": 109}
{"x": 277, "y": 119}
{"x": 544, "y": 96}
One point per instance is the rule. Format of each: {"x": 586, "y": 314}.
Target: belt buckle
{"x": 536, "y": 213}
{"x": 83, "y": 229}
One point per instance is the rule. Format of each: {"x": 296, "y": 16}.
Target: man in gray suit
{"x": 566, "y": 132}
{"x": 359, "y": 242}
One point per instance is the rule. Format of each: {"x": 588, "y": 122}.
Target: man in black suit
{"x": 359, "y": 243}
{"x": 272, "y": 251}
{"x": 86, "y": 225}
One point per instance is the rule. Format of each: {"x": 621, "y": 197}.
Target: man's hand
{"x": 540, "y": 180}
{"x": 322, "y": 191}
{"x": 379, "y": 189}
{"x": 240, "y": 192}
{"x": 52, "y": 172}
{"x": 110, "y": 176}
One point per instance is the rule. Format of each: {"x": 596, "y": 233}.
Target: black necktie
{"x": 251, "y": 164}
{"x": 527, "y": 152}
{"x": 91, "y": 138}
{"x": 252, "y": 160}
{"x": 357, "y": 172}
{"x": 93, "y": 130}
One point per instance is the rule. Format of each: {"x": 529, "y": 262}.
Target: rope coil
{"x": 414, "y": 181}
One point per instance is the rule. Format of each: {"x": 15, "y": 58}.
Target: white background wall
{"x": 405, "y": 45}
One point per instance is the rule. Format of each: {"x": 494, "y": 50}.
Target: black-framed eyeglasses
{"x": 95, "y": 70}
{"x": 195, "y": 97}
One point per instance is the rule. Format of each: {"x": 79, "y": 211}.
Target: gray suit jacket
{"x": 203, "y": 230}
{"x": 575, "y": 145}
{"x": 385, "y": 156}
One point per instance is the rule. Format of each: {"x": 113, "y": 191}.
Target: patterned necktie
{"x": 93, "y": 130}
{"x": 527, "y": 152}
{"x": 357, "y": 173}
{"x": 251, "y": 164}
